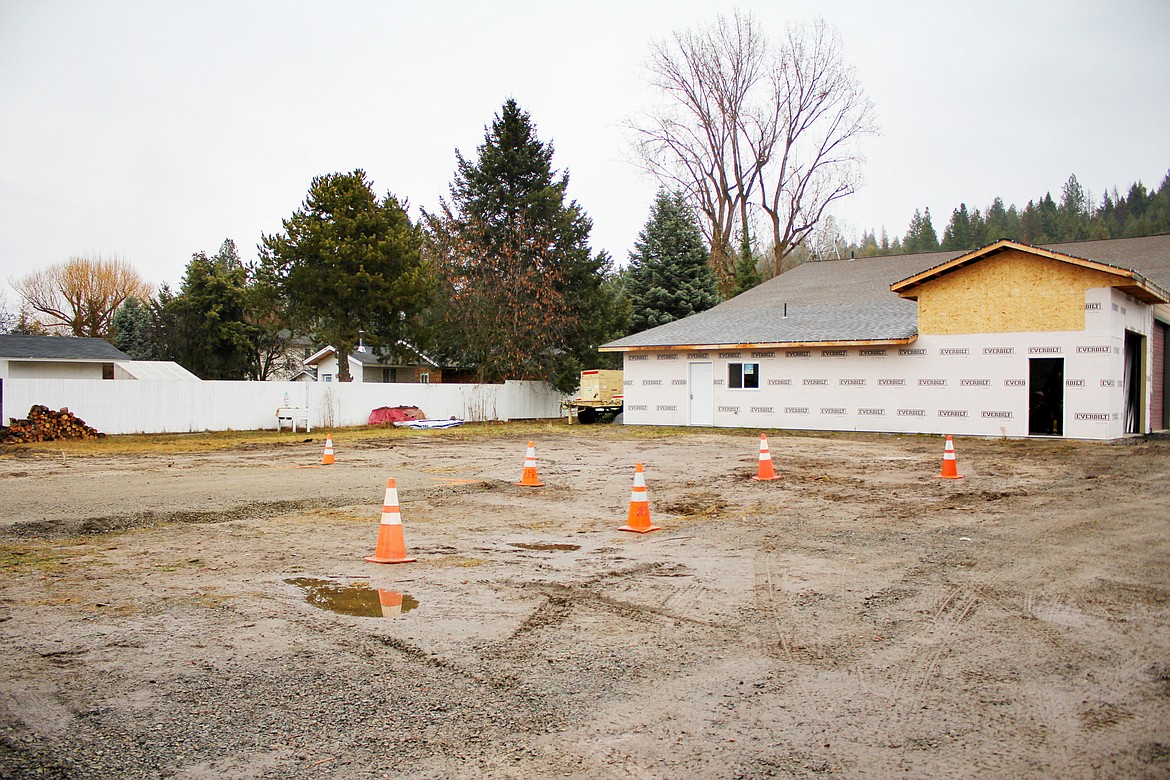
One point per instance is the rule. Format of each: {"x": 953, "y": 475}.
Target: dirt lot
{"x": 162, "y": 613}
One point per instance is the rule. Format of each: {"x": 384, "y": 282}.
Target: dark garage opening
{"x": 1135, "y": 384}
{"x": 1046, "y": 396}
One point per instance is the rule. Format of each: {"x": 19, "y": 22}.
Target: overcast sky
{"x": 152, "y": 130}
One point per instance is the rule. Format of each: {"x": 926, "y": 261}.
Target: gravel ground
{"x": 162, "y": 615}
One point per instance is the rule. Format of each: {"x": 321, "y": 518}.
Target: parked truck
{"x": 600, "y": 394}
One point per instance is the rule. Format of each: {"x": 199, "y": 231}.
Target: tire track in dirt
{"x": 783, "y": 632}
{"x": 102, "y": 524}
{"x": 909, "y": 686}
{"x": 560, "y": 599}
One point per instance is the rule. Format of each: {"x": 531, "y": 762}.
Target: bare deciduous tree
{"x": 80, "y": 296}
{"x": 8, "y": 317}
{"x": 750, "y": 127}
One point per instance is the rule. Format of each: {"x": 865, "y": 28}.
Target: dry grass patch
{"x": 452, "y": 561}
{"x": 366, "y": 435}
{"x": 25, "y": 556}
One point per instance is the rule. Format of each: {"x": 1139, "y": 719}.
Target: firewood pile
{"x": 43, "y": 424}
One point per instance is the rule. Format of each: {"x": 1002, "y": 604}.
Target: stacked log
{"x": 44, "y": 424}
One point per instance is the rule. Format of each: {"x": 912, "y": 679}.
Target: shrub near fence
{"x": 181, "y": 406}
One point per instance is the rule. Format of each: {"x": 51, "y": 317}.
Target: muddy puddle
{"x": 356, "y": 599}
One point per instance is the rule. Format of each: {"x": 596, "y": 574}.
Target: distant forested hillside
{"x": 1073, "y": 217}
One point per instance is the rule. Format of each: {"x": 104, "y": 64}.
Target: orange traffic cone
{"x": 638, "y": 520}
{"x": 391, "y": 546}
{"x": 529, "y": 478}
{"x": 327, "y": 457}
{"x": 950, "y": 466}
{"x": 765, "y": 470}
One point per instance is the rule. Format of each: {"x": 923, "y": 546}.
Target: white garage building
{"x": 1007, "y": 340}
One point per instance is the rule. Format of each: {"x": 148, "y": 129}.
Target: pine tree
{"x": 920, "y": 235}
{"x": 523, "y": 295}
{"x": 957, "y": 234}
{"x": 999, "y": 223}
{"x": 1158, "y": 210}
{"x": 669, "y": 277}
{"x": 1073, "y": 218}
{"x": 1049, "y": 220}
{"x": 133, "y": 330}
{"x": 348, "y": 261}
{"x": 209, "y": 335}
{"x": 978, "y": 230}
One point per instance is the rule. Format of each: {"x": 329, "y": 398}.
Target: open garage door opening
{"x": 1046, "y": 396}
{"x": 1135, "y": 349}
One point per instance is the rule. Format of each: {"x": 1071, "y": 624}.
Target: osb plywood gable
{"x": 1009, "y": 292}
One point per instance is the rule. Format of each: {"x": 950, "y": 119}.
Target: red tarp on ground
{"x": 384, "y": 415}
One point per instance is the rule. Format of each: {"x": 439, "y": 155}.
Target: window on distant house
{"x": 743, "y": 376}
{"x": 424, "y": 377}
{"x": 327, "y": 377}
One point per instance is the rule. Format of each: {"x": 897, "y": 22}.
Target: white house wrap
{"x": 1007, "y": 340}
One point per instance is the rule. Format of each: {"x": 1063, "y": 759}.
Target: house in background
{"x": 1006, "y": 340}
{"x": 288, "y": 364}
{"x": 406, "y": 364}
{"x": 70, "y": 357}
{"x": 57, "y": 357}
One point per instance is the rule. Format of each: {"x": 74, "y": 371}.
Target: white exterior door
{"x": 700, "y": 384}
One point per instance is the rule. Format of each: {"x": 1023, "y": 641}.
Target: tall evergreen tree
{"x": 747, "y": 272}
{"x": 208, "y": 333}
{"x": 1073, "y": 217}
{"x": 920, "y": 235}
{"x": 1158, "y": 209}
{"x": 523, "y": 294}
{"x": 1137, "y": 199}
{"x": 957, "y": 234}
{"x": 1049, "y": 220}
{"x": 1000, "y": 222}
{"x": 978, "y": 229}
{"x": 348, "y": 262}
{"x": 669, "y": 277}
{"x": 133, "y": 330}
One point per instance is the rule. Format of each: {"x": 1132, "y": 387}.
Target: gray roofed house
{"x": 406, "y": 363}
{"x": 1009, "y": 339}
{"x": 58, "y": 348}
{"x": 70, "y": 357}
{"x": 850, "y": 301}
{"x": 60, "y": 357}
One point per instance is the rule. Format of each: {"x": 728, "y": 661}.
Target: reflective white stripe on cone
{"x": 950, "y": 464}
{"x": 529, "y": 478}
{"x": 765, "y": 471}
{"x": 391, "y": 547}
{"x": 638, "y": 519}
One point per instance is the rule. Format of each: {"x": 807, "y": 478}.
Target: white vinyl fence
{"x": 182, "y": 406}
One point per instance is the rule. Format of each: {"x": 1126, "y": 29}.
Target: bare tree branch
{"x": 81, "y": 295}
{"x": 748, "y": 126}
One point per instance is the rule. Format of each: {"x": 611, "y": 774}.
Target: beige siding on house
{"x": 50, "y": 369}
{"x": 1011, "y": 292}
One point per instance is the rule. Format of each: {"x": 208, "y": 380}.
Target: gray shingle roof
{"x": 1149, "y": 255}
{"x": 764, "y": 325}
{"x": 850, "y": 300}
{"x": 836, "y": 300}
{"x": 58, "y": 348}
